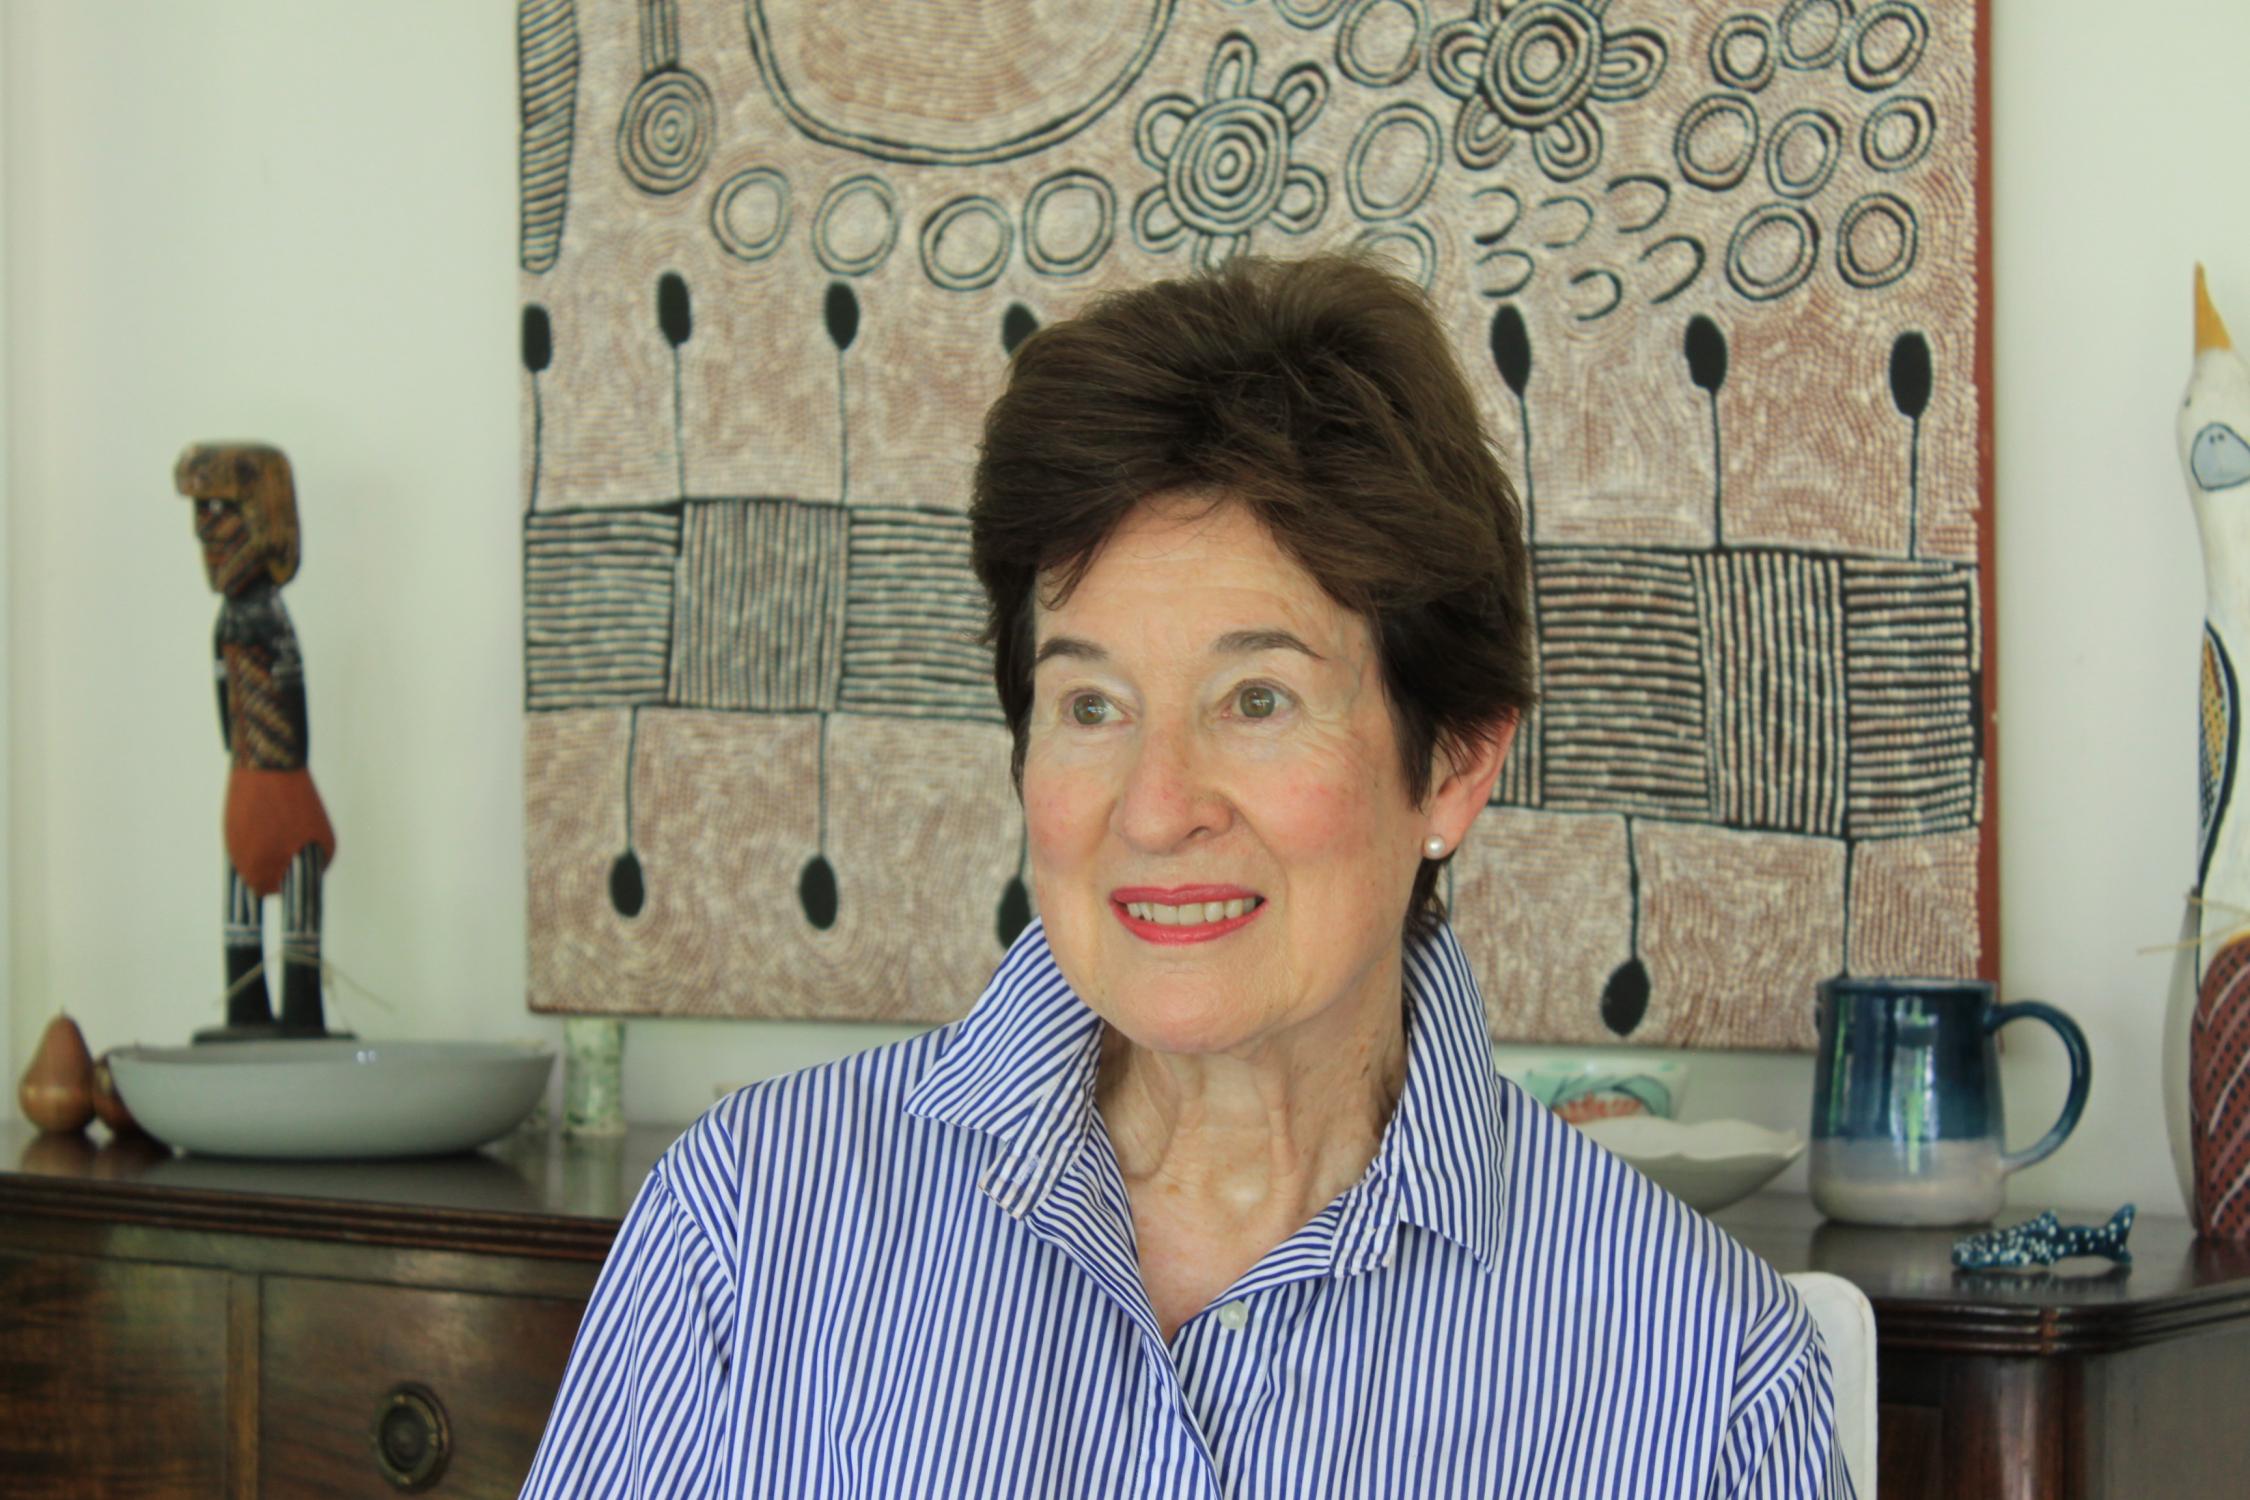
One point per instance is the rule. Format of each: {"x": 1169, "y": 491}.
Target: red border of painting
{"x": 1988, "y": 833}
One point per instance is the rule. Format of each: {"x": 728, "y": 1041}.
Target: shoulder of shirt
{"x": 811, "y": 1134}
{"x": 1619, "y": 1229}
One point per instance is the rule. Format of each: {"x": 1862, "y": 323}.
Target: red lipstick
{"x": 1181, "y": 895}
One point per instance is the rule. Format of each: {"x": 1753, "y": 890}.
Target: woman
{"x": 1215, "y": 1192}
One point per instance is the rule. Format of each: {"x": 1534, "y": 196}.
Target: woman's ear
{"x": 1461, "y": 781}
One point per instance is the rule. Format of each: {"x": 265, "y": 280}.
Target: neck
{"x": 1269, "y": 1132}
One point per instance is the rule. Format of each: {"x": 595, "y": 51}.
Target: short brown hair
{"x": 1320, "y": 394}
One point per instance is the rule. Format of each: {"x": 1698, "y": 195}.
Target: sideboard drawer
{"x": 335, "y": 1356}
{"x": 113, "y": 1378}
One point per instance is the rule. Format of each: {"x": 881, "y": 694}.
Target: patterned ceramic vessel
{"x": 2209, "y": 1032}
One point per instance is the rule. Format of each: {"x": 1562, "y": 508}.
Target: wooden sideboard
{"x": 2097, "y": 1381}
{"x": 181, "y": 1326}
{"x": 171, "y": 1325}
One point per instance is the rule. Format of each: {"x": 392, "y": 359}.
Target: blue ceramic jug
{"x": 1907, "y": 1119}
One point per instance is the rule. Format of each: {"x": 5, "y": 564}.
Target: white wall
{"x": 7, "y": 1032}
{"x": 294, "y": 221}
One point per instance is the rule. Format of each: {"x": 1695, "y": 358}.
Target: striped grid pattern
{"x": 913, "y": 610}
{"x": 597, "y": 606}
{"x": 760, "y": 605}
{"x": 1518, "y": 783}
{"x": 912, "y": 1273}
{"x": 1622, "y": 671}
{"x": 1774, "y": 651}
{"x": 1911, "y": 676}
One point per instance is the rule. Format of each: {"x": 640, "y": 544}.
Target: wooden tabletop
{"x": 2177, "y": 1285}
{"x": 539, "y": 1193}
{"x": 534, "y": 1192}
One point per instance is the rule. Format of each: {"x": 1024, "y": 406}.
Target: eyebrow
{"x": 1233, "y": 643}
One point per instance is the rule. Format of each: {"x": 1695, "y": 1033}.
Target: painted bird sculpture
{"x": 2214, "y": 436}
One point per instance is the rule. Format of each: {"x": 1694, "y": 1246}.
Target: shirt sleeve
{"x": 1781, "y": 1438}
{"x": 642, "y": 1410}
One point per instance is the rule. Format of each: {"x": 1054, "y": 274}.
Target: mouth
{"x": 1186, "y": 914}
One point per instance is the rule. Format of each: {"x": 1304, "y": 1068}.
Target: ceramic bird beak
{"x": 2210, "y": 328}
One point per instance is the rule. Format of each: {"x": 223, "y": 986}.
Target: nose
{"x": 1169, "y": 798}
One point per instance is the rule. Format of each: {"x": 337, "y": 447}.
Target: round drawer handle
{"x": 412, "y": 1438}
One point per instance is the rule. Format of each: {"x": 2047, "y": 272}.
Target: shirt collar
{"x": 1021, "y": 1068}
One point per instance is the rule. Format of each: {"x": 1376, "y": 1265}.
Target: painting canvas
{"x": 1716, "y": 271}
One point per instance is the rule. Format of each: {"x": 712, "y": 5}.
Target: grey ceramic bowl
{"x": 331, "y": 1100}
{"x": 1707, "y": 1165}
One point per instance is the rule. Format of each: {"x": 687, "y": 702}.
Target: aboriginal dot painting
{"x": 1714, "y": 269}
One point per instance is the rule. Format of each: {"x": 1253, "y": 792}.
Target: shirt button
{"x": 1235, "y": 1316}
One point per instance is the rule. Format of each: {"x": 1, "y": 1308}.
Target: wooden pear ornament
{"x": 57, "y": 1092}
{"x": 110, "y": 1104}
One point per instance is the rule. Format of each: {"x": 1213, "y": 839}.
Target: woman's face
{"x": 1222, "y": 843}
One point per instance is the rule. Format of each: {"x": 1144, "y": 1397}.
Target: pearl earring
{"x": 1434, "y": 846}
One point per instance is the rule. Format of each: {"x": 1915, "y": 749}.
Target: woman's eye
{"x": 1257, "y": 701}
{"x": 1089, "y": 709}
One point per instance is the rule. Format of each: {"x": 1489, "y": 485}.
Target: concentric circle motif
{"x": 1401, "y": 122}
{"x": 1411, "y": 246}
{"x": 1801, "y": 152}
{"x": 1886, "y": 46}
{"x": 1774, "y": 249}
{"x": 1743, "y": 51}
{"x": 1877, "y": 241}
{"x": 1813, "y": 32}
{"x": 1376, "y": 72}
{"x": 664, "y": 136}
{"x": 852, "y": 196}
{"x": 750, "y": 213}
{"x": 955, "y": 260}
{"x": 1717, "y": 141}
{"x": 1039, "y": 249}
{"x": 1542, "y": 62}
{"x": 1898, "y": 133}
{"x": 1309, "y": 14}
{"x": 1569, "y": 148}
{"x": 1227, "y": 171}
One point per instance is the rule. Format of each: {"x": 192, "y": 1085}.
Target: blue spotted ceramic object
{"x": 2043, "y": 1241}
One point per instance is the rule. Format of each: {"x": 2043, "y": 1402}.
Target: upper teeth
{"x": 1192, "y": 913}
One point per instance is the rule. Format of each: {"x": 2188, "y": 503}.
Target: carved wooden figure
{"x": 278, "y": 839}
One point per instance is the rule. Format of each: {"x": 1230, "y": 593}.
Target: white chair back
{"x": 1847, "y": 1326}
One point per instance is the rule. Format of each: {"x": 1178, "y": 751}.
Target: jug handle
{"x": 2081, "y": 1076}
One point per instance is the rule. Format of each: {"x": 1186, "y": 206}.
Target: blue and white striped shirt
{"x": 912, "y": 1273}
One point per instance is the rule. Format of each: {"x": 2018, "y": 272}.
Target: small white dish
{"x": 1707, "y": 1165}
{"x": 332, "y": 1099}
